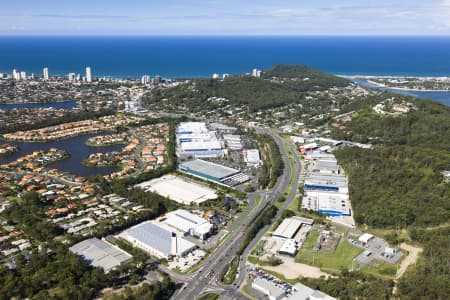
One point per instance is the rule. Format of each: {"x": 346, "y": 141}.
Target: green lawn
{"x": 311, "y": 240}
{"x": 295, "y": 204}
{"x": 292, "y": 164}
{"x": 381, "y": 269}
{"x": 246, "y": 292}
{"x": 209, "y": 296}
{"x": 333, "y": 261}
{"x": 230, "y": 276}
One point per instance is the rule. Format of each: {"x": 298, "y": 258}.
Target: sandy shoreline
{"x": 403, "y": 89}
{"x": 394, "y": 77}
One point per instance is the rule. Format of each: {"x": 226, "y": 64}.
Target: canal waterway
{"x": 78, "y": 151}
{"x": 60, "y": 105}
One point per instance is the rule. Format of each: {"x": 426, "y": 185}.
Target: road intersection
{"x": 207, "y": 277}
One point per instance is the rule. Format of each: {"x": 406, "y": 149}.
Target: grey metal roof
{"x": 100, "y": 254}
{"x": 326, "y": 177}
{"x": 319, "y": 295}
{"x": 326, "y": 165}
{"x": 303, "y": 292}
{"x": 210, "y": 169}
{"x": 275, "y": 291}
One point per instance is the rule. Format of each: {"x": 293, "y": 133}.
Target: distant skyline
{"x": 225, "y": 17}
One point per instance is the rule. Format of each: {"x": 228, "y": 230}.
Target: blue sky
{"x": 225, "y": 17}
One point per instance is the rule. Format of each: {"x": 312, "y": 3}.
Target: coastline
{"x": 391, "y": 76}
{"x": 403, "y": 88}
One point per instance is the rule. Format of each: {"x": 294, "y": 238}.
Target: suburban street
{"x": 207, "y": 275}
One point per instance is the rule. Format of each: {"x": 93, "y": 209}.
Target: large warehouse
{"x": 214, "y": 172}
{"x": 252, "y": 157}
{"x": 325, "y": 167}
{"x": 179, "y": 189}
{"x": 157, "y": 241}
{"x": 101, "y": 254}
{"x": 290, "y": 226}
{"x": 331, "y": 203}
{"x": 292, "y": 231}
{"x": 194, "y": 139}
{"x": 189, "y": 223}
{"x": 326, "y": 182}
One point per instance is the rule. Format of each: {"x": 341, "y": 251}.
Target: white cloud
{"x": 382, "y": 17}
{"x": 287, "y": 12}
{"x": 441, "y": 16}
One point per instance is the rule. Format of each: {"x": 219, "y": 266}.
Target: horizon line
{"x": 226, "y": 35}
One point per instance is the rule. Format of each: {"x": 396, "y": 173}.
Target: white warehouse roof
{"x": 201, "y": 145}
{"x": 365, "y": 238}
{"x": 303, "y": 292}
{"x": 287, "y": 228}
{"x": 327, "y": 201}
{"x": 152, "y": 236}
{"x": 179, "y": 189}
{"x": 190, "y": 127}
{"x": 187, "y": 222}
{"x": 268, "y": 288}
{"x": 252, "y": 156}
{"x": 197, "y": 136}
{"x": 290, "y": 246}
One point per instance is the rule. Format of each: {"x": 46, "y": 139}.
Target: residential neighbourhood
{"x": 243, "y": 203}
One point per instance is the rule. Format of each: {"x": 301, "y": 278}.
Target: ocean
{"x": 181, "y": 57}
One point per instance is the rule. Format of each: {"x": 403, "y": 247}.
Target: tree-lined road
{"x": 207, "y": 276}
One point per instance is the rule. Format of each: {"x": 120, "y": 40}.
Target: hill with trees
{"x": 289, "y": 86}
{"x": 430, "y": 278}
{"x": 427, "y": 126}
{"x": 398, "y": 182}
{"x": 397, "y": 185}
{"x": 311, "y": 77}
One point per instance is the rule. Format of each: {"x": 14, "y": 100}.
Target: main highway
{"x": 207, "y": 276}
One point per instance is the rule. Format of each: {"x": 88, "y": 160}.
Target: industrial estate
{"x": 242, "y": 204}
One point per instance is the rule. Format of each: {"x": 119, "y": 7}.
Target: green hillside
{"x": 398, "y": 182}
{"x": 254, "y": 93}
{"x": 428, "y": 126}
{"x": 310, "y": 77}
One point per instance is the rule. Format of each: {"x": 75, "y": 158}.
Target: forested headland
{"x": 398, "y": 185}
{"x": 288, "y": 87}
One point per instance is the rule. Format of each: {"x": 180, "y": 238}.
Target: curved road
{"x": 207, "y": 275}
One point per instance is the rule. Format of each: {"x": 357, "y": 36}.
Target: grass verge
{"x": 380, "y": 269}
{"x": 209, "y": 296}
{"x": 229, "y": 274}
{"x": 327, "y": 260}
